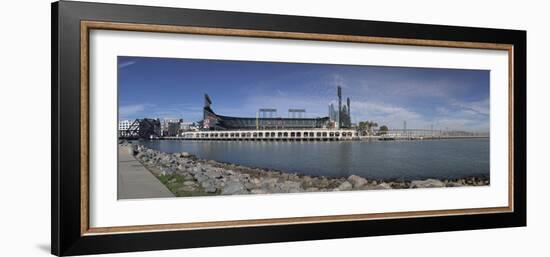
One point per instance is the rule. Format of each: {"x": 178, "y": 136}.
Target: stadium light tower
{"x": 267, "y": 112}
{"x": 296, "y": 113}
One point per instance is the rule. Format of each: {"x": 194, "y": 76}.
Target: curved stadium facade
{"x": 213, "y": 121}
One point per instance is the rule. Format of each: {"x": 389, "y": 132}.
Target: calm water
{"x": 369, "y": 159}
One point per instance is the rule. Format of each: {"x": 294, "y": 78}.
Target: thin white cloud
{"x": 315, "y": 107}
{"x": 384, "y": 114}
{"x": 442, "y": 110}
{"x": 174, "y": 111}
{"x": 478, "y": 107}
{"x": 338, "y": 80}
{"x": 125, "y": 111}
{"x": 394, "y": 117}
{"x": 123, "y": 65}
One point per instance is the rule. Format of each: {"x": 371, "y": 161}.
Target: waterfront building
{"x": 311, "y": 134}
{"x": 123, "y": 126}
{"x": 184, "y": 126}
{"x": 140, "y": 128}
{"x": 171, "y": 127}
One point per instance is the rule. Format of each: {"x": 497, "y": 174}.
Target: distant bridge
{"x": 431, "y": 133}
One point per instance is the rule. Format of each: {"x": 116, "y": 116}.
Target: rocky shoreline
{"x": 186, "y": 175}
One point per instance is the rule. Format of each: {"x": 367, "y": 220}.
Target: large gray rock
{"x": 481, "y": 183}
{"x": 195, "y": 170}
{"x": 212, "y": 174}
{"x": 210, "y": 185}
{"x": 380, "y": 186}
{"x": 189, "y": 183}
{"x": 290, "y": 187}
{"x": 357, "y": 181}
{"x": 166, "y": 160}
{"x": 345, "y": 186}
{"x": 268, "y": 182}
{"x": 185, "y": 154}
{"x": 210, "y": 188}
{"x": 383, "y": 186}
{"x": 140, "y": 155}
{"x": 257, "y": 191}
{"x": 166, "y": 171}
{"x": 250, "y": 185}
{"x": 428, "y": 183}
{"x": 188, "y": 188}
{"x": 257, "y": 182}
{"x": 201, "y": 177}
{"x": 244, "y": 177}
{"x": 307, "y": 181}
{"x": 454, "y": 184}
{"x": 233, "y": 187}
{"x": 208, "y": 182}
{"x": 229, "y": 172}
{"x": 322, "y": 183}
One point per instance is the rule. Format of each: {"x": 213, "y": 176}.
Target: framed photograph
{"x": 178, "y": 128}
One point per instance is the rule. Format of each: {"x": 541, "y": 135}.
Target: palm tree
{"x": 363, "y": 127}
{"x": 374, "y": 125}
{"x": 366, "y": 127}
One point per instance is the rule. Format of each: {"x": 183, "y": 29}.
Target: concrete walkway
{"x": 135, "y": 181}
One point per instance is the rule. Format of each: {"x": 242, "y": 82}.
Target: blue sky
{"x": 174, "y": 88}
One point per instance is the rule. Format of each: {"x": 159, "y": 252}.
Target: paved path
{"x": 135, "y": 181}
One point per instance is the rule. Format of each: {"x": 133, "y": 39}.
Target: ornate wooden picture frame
{"x": 71, "y": 230}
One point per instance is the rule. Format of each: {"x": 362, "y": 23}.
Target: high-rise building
{"x": 349, "y": 110}
{"x": 339, "y": 107}
{"x": 332, "y": 113}
{"x": 342, "y": 116}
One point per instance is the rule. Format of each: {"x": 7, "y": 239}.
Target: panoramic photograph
{"x": 197, "y": 127}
